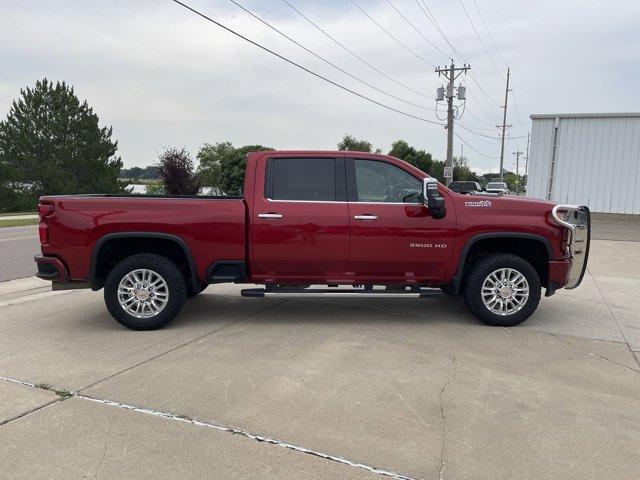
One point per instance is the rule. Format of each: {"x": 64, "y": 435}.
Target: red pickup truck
{"x": 315, "y": 223}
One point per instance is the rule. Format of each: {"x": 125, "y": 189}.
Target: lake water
{"x": 141, "y": 189}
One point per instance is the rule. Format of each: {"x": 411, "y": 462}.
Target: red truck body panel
{"x": 213, "y": 229}
{"x": 313, "y": 241}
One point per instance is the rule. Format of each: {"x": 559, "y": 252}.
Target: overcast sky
{"x": 162, "y": 76}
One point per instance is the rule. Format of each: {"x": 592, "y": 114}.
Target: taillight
{"x": 45, "y": 210}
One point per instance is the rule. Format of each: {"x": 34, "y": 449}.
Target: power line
{"x": 328, "y": 62}
{"x": 311, "y": 72}
{"x": 355, "y": 55}
{"x": 473, "y": 148}
{"x": 425, "y": 9}
{"x": 491, "y": 117}
{"x": 475, "y": 132}
{"x": 522, "y": 123}
{"x": 487, "y": 97}
{"x": 317, "y": 75}
{"x": 489, "y": 32}
{"x": 480, "y": 39}
{"x": 432, "y": 19}
{"x": 515, "y": 102}
{"x": 478, "y": 119}
{"x": 415, "y": 28}
{"x": 451, "y": 73}
{"x": 399, "y": 42}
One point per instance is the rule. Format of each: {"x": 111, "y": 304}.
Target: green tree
{"x": 461, "y": 170}
{"x": 352, "y": 144}
{"x": 156, "y": 188}
{"x": 51, "y": 143}
{"x": 209, "y": 168}
{"x": 222, "y": 166}
{"x": 133, "y": 173}
{"x": 418, "y": 158}
{"x": 177, "y": 172}
{"x": 490, "y": 177}
{"x": 512, "y": 180}
{"x": 151, "y": 172}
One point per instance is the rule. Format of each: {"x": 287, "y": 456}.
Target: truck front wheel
{"x": 502, "y": 289}
{"x": 145, "y": 291}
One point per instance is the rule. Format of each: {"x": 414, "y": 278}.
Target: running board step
{"x": 336, "y": 292}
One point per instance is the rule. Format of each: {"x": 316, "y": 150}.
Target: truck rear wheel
{"x": 145, "y": 291}
{"x": 502, "y": 289}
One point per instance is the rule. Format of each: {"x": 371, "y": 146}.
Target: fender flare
{"x": 93, "y": 280}
{"x": 457, "y": 279}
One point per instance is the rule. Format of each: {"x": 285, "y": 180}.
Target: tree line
{"x": 221, "y": 166}
{"x": 52, "y": 143}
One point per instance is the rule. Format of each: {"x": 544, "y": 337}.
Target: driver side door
{"x": 393, "y": 236}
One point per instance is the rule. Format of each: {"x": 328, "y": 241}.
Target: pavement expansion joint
{"x": 615, "y": 318}
{"x": 211, "y": 425}
{"x": 454, "y": 368}
{"x": 33, "y": 410}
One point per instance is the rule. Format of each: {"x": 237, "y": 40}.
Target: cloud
{"x": 483, "y": 171}
{"x": 163, "y": 76}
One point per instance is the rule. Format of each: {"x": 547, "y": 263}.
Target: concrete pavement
{"x": 332, "y": 388}
{"x": 625, "y": 230}
{"x": 91, "y": 440}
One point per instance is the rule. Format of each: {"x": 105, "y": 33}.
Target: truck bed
{"x": 78, "y": 222}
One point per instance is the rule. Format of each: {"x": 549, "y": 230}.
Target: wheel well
{"x": 111, "y": 251}
{"x": 533, "y": 251}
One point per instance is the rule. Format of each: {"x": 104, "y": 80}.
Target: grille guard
{"x": 577, "y": 220}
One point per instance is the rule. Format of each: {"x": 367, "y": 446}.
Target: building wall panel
{"x": 597, "y": 161}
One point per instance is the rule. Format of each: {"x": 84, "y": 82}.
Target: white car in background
{"x": 497, "y": 187}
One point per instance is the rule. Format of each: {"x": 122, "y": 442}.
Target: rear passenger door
{"x": 300, "y": 219}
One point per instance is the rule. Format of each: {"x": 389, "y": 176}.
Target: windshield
{"x": 496, "y": 185}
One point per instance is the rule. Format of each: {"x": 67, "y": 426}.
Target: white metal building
{"x": 588, "y": 159}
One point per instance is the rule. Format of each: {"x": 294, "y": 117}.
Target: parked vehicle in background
{"x": 497, "y": 187}
{"x": 362, "y": 224}
{"x": 463, "y": 186}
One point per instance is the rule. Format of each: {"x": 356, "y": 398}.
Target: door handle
{"x": 270, "y": 215}
{"x": 366, "y": 217}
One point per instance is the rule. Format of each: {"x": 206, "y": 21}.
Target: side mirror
{"x": 433, "y": 199}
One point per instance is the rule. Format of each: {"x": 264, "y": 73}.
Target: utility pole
{"x": 504, "y": 127}
{"x": 517, "y": 154}
{"x": 526, "y": 160}
{"x": 451, "y": 73}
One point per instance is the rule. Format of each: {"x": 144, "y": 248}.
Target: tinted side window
{"x": 302, "y": 179}
{"x": 383, "y": 182}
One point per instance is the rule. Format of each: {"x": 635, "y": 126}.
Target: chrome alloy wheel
{"x": 505, "y": 291}
{"x": 143, "y": 293}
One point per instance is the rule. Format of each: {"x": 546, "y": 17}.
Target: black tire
{"x": 176, "y": 286}
{"x": 192, "y": 293}
{"x": 480, "y": 270}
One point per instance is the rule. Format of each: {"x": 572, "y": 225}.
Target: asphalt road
{"x": 18, "y": 245}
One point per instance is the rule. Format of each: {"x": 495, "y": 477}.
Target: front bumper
{"x": 51, "y": 268}
{"x": 577, "y": 220}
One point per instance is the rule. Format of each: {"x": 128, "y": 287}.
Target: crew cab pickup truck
{"x": 315, "y": 223}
